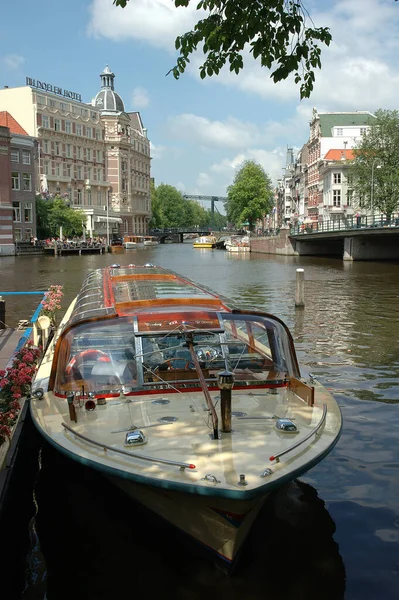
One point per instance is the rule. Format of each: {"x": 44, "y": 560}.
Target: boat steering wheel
{"x": 175, "y": 363}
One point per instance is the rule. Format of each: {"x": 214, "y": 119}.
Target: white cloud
{"x": 140, "y": 98}
{"x": 231, "y": 133}
{"x": 156, "y": 151}
{"x": 157, "y": 22}
{"x": 13, "y": 61}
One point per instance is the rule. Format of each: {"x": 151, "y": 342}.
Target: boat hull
{"x": 220, "y": 525}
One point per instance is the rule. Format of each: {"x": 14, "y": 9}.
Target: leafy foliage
{"x": 375, "y": 169}
{"x": 276, "y": 32}
{"x": 170, "y": 209}
{"x": 54, "y": 213}
{"x": 250, "y": 196}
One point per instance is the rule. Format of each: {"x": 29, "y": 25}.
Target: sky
{"x": 201, "y": 131}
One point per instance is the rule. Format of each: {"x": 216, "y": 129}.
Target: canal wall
{"x": 277, "y": 244}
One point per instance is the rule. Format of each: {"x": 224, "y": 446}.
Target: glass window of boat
{"x": 97, "y": 356}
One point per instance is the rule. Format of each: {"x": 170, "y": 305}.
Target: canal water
{"x": 332, "y": 535}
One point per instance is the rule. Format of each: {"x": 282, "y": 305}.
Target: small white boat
{"x": 238, "y": 244}
{"x": 195, "y": 409}
{"x": 133, "y": 241}
{"x": 150, "y": 240}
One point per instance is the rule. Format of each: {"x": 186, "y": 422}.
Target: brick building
{"x": 18, "y": 168}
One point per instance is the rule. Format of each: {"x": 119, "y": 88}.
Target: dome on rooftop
{"x": 107, "y": 100}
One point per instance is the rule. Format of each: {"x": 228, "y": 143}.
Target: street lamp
{"x": 372, "y": 186}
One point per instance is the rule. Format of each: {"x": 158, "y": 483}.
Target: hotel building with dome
{"x": 96, "y": 154}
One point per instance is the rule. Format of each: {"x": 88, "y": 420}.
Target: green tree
{"x": 54, "y": 213}
{"x": 172, "y": 205}
{"x": 375, "y": 169}
{"x": 277, "y": 33}
{"x": 250, "y": 196}
{"x": 157, "y": 217}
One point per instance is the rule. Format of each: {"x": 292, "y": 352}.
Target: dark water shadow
{"x": 99, "y": 544}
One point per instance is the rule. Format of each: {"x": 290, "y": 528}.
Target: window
{"x": 45, "y": 146}
{"x": 363, "y": 131}
{"x": 26, "y": 157}
{"x": 99, "y": 198}
{"x": 45, "y": 121}
{"x": 99, "y": 155}
{"x": 16, "y": 206}
{"x": 27, "y": 182}
{"x": 40, "y": 100}
{"x": 88, "y": 154}
{"x": 349, "y": 196}
{"x": 88, "y": 198}
{"x": 336, "y": 197}
{"x": 88, "y": 172}
{"x": 126, "y": 226}
{"x": 68, "y": 127}
{"x": 349, "y": 179}
{"x": 89, "y": 132}
{"x": 78, "y": 129}
{"x": 58, "y": 169}
{"x": 15, "y": 181}
{"x": 46, "y": 167}
{"x": 27, "y": 234}
{"x": 17, "y": 234}
{"x": 337, "y": 177}
{"x": 68, "y": 170}
{"x": 79, "y": 173}
{"x": 98, "y": 134}
{"x": 63, "y": 107}
{"x": 79, "y": 197}
{"x": 94, "y": 116}
{"x": 68, "y": 151}
{"x": 83, "y": 112}
{"x": 340, "y": 131}
{"x": 99, "y": 174}
{"x": 57, "y": 125}
{"x": 28, "y": 212}
{"x": 79, "y": 153}
{"x": 57, "y": 148}
{"x": 14, "y": 155}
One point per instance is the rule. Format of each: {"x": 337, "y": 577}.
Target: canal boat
{"x": 195, "y": 408}
{"x": 205, "y": 241}
{"x": 151, "y": 240}
{"x": 131, "y": 242}
{"x": 237, "y": 244}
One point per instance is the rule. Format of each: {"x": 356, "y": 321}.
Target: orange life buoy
{"x": 91, "y": 353}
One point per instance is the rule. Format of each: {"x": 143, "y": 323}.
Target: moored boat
{"x": 130, "y": 242}
{"x": 196, "y": 409}
{"x": 151, "y": 240}
{"x": 238, "y": 244}
{"x": 205, "y": 241}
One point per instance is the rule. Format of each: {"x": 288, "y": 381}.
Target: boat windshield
{"x": 112, "y": 354}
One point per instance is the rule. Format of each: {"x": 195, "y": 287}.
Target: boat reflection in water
{"x": 98, "y": 541}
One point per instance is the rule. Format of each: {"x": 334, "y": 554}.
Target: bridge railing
{"x": 345, "y": 224}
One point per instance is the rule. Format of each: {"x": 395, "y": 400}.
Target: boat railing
{"x": 314, "y": 431}
{"x": 105, "y": 447}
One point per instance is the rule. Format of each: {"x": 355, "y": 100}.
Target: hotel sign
{"x": 47, "y": 87}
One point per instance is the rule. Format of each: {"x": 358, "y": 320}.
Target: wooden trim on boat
{"x": 146, "y": 276}
{"x": 199, "y": 302}
{"x": 301, "y": 389}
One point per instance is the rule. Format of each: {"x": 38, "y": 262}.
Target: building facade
{"x": 330, "y": 131}
{"x": 95, "y": 154}
{"x": 18, "y": 183}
